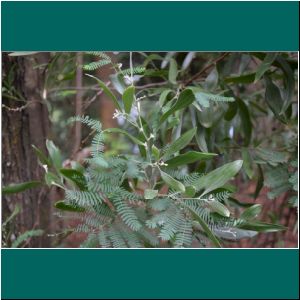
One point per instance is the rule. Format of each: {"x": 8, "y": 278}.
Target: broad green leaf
{"x": 251, "y": 212}
{"x": 200, "y": 138}
{"x": 171, "y": 182}
{"x": 150, "y": 194}
{"x": 234, "y": 234}
{"x": 163, "y": 96}
{"x": 246, "y": 78}
{"x": 22, "y": 53}
{"x": 107, "y": 91}
{"x": 54, "y": 154}
{"x": 20, "y": 187}
{"x": 190, "y": 191}
{"x": 42, "y": 157}
{"x": 75, "y": 176}
{"x": 293, "y": 63}
{"x": 128, "y": 98}
{"x": 155, "y": 152}
{"x": 218, "y": 177}
{"x": 156, "y": 73}
{"x": 51, "y": 178}
{"x": 173, "y": 71}
{"x": 173, "y": 122}
{"x": 198, "y": 96}
{"x": 245, "y": 121}
{"x": 261, "y": 226}
{"x": 238, "y": 203}
{"x": 118, "y": 83}
{"x": 289, "y": 81}
{"x": 201, "y": 141}
{"x": 260, "y": 181}
{"x": 218, "y": 207}
{"x": 231, "y": 111}
{"x": 188, "y": 60}
{"x": 145, "y": 127}
{"x": 230, "y": 187}
{"x": 188, "y": 158}
{"x": 118, "y": 130}
{"x": 62, "y": 205}
{"x": 205, "y": 228}
{"x": 207, "y": 116}
{"x": 247, "y": 163}
{"x": 167, "y": 58}
{"x": 265, "y": 65}
{"x": 211, "y": 81}
{"x": 180, "y": 143}
{"x": 185, "y": 98}
{"x": 150, "y": 58}
{"x": 273, "y": 98}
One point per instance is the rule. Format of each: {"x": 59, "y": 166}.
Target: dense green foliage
{"x": 190, "y": 133}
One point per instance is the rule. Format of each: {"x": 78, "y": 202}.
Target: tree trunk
{"x": 107, "y": 107}
{"x": 25, "y": 123}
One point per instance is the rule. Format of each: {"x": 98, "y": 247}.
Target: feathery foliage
{"x": 174, "y": 189}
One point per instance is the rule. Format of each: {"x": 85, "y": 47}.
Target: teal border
{"x": 152, "y": 26}
{"x": 159, "y": 274}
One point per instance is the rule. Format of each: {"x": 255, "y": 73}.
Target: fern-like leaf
{"x": 83, "y": 198}
{"x": 99, "y": 54}
{"x": 133, "y": 71}
{"x": 126, "y": 213}
{"x": 93, "y": 124}
{"x": 96, "y": 65}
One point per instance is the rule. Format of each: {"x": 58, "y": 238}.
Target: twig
{"x": 213, "y": 63}
{"x": 20, "y": 108}
{"x": 66, "y": 88}
{"x": 100, "y": 91}
{"x": 154, "y": 84}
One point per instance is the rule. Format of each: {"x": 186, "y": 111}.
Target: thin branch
{"x": 154, "y": 84}
{"x": 213, "y": 63}
{"x": 20, "y": 108}
{"x": 100, "y": 91}
{"x": 66, "y": 88}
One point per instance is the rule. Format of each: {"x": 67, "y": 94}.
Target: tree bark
{"x": 25, "y": 123}
{"x": 78, "y": 102}
{"x": 107, "y": 107}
